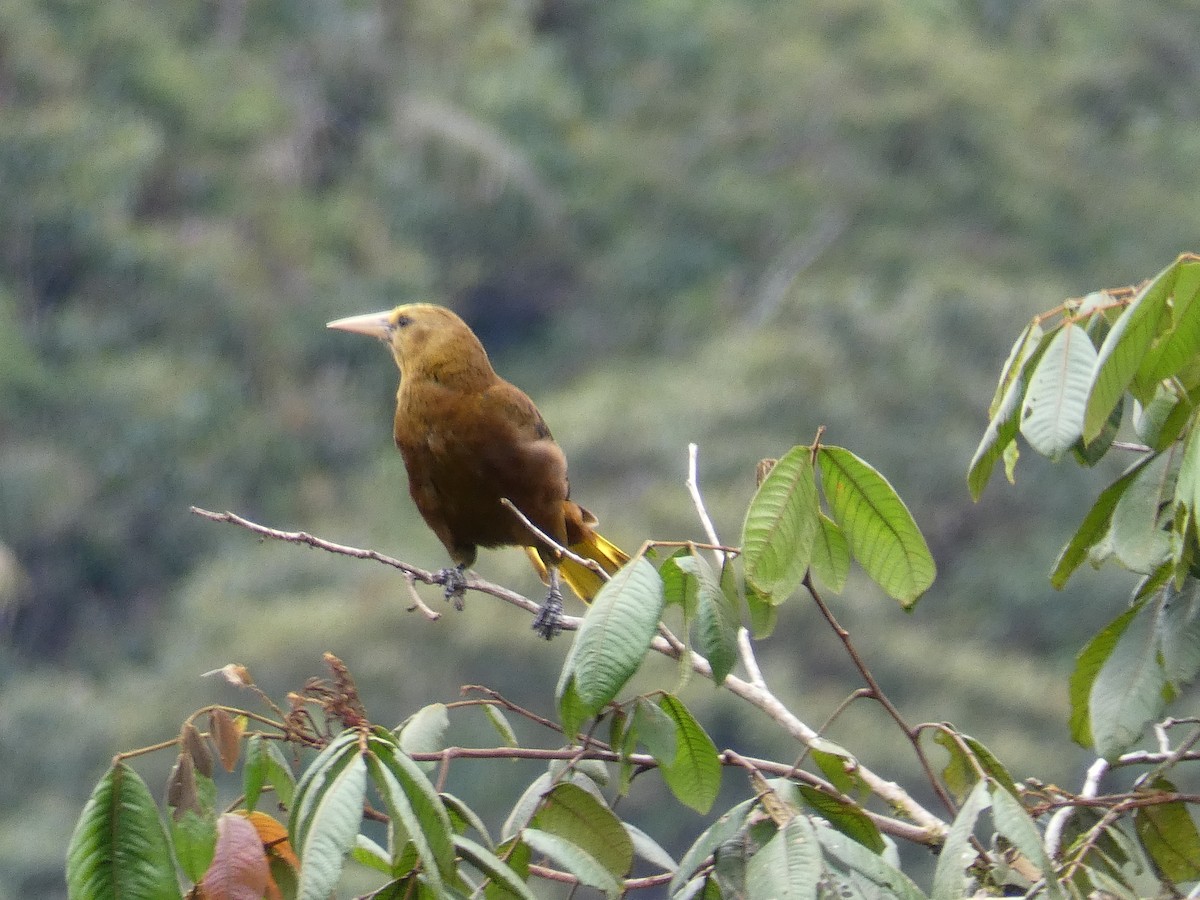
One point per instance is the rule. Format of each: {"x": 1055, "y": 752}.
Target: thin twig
{"x": 551, "y": 542}
{"x": 693, "y": 486}
{"x": 474, "y": 583}
{"x": 877, "y": 694}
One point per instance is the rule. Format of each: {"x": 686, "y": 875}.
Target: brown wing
{"x": 464, "y": 452}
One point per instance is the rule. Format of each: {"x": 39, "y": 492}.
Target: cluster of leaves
{"x": 1065, "y": 388}
{"x": 813, "y": 828}
{"x": 563, "y": 816}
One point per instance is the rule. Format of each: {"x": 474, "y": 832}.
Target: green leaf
{"x": 848, "y": 818}
{"x": 716, "y": 619}
{"x": 1021, "y": 357}
{"x": 1180, "y": 344}
{"x": 839, "y": 766}
{"x": 645, "y": 847}
{"x": 516, "y": 854}
{"x": 1137, "y": 536}
{"x": 656, "y": 731}
{"x": 525, "y": 806}
{"x": 408, "y": 792}
{"x": 1127, "y": 692}
{"x": 831, "y": 555}
{"x": 1094, "y": 526}
{"x": 788, "y": 865}
{"x": 463, "y": 817}
{"x": 678, "y": 589}
{"x": 263, "y": 764}
{"x": 492, "y": 867}
{"x": 194, "y": 830}
{"x": 1178, "y": 628}
{"x": 763, "y": 613}
{"x": 1168, "y": 833}
{"x": 576, "y": 816}
{"x": 1004, "y": 420}
{"x": 573, "y": 859}
{"x": 119, "y": 849}
{"x": 500, "y": 723}
{"x": 878, "y": 526}
{"x": 368, "y": 853}
{"x": 1055, "y": 401}
{"x": 326, "y": 815}
{"x": 1018, "y": 828}
{"x": 1091, "y": 453}
{"x": 1160, "y": 422}
{"x": 855, "y": 867}
{"x": 949, "y": 879}
{"x": 1187, "y": 482}
{"x": 990, "y": 764}
{"x": 959, "y": 775}
{"x": 695, "y": 775}
{"x": 780, "y": 526}
{"x": 610, "y": 644}
{"x": 425, "y": 732}
{"x": 723, "y": 830}
{"x": 1125, "y": 348}
{"x": 1087, "y": 666}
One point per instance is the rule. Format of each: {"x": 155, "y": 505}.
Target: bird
{"x": 470, "y": 440}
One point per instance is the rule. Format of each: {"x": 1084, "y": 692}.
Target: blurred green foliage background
{"x": 727, "y": 221}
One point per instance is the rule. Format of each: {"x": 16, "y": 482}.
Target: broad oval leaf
{"x": 831, "y": 555}
{"x": 575, "y": 815}
{"x": 716, "y": 618}
{"x": 1178, "y": 628}
{"x": 1124, "y": 350}
{"x": 695, "y": 775}
{"x": 1137, "y": 538}
{"x": 119, "y": 849}
{"x": 573, "y": 859}
{"x": 780, "y": 526}
{"x": 1127, "y": 693}
{"x": 611, "y": 643}
{"x": 1018, "y": 828}
{"x": 1168, "y": 832}
{"x": 788, "y": 865}
{"x": 880, "y": 530}
{"x": 425, "y": 732}
{"x": 1094, "y": 526}
{"x": 853, "y": 865}
{"x": 1056, "y": 399}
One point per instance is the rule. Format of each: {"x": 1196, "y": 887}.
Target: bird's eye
{"x": 403, "y": 321}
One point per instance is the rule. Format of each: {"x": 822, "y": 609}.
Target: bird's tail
{"x": 582, "y": 580}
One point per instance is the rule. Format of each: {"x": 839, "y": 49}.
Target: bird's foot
{"x": 549, "y": 620}
{"x": 455, "y": 583}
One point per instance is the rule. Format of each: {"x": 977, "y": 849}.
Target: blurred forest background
{"x": 727, "y": 222}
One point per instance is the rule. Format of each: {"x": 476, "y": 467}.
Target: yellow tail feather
{"x": 582, "y": 580}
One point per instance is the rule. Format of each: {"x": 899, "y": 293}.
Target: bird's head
{"x": 427, "y": 341}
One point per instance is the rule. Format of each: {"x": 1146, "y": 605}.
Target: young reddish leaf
{"x": 239, "y": 869}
